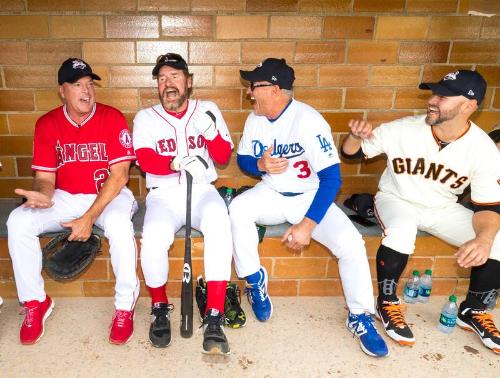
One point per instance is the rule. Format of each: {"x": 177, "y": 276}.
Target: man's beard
{"x": 441, "y": 116}
{"x": 173, "y": 106}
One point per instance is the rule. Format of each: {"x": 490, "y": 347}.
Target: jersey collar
{"x": 84, "y": 121}
{"x": 443, "y": 144}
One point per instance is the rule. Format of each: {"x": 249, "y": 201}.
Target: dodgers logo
{"x": 289, "y": 150}
{"x": 323, "y": 143}
{"x": 78, "y": 64}
{"x": 125, "y": 139}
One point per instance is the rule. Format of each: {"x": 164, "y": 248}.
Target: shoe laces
{"x": 395, "y": 315}
{"x": 257, "y": 291}
{"x": 213, "y": 322}
{"x": 486, "y": 320}
{"x": 162, "y": 313}
{"x": 31, "y": 308}
{"x": 363, "y": 323}
{"x": 121, "y": 316}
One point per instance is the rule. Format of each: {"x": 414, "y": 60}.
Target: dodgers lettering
{"x": 289, "y": 150}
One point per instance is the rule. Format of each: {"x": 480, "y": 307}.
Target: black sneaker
{"x": 159, "y": 331}
{"x": 480, "y": 322}
{"x": 234, "y": 315}
{"x": 389, "y": 313}
{"x": 201, "y": 296}
{"x": 214, "y": 339}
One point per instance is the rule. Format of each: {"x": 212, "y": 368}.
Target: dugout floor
{"x": 306, "y": 337}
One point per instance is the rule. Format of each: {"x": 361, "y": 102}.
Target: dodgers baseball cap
{"x": 74, "y": 69}
{"x": 465, "y": 83}
{"x": 273, "y": 70}
{"x": 172, "y": 60}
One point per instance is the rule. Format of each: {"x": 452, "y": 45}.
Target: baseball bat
{"x": 187, "y": 278}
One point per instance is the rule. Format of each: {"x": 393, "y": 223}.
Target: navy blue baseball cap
{"x": 172, "y": 60}
{"x": 273, "y": 70}
{"x": 74, "y": 69}
{"x": 469, "y": 84}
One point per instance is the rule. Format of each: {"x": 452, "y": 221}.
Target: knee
{"x": 19, "y": 220}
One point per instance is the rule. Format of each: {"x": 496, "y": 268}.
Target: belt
{"x": 290, "y": 194}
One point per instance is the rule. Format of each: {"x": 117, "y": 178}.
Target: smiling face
{"x": 173, "y": 88}
{"x": 260, "y": 97}
{"x": 441, "y": 108}
{"x": 79, "y": 98}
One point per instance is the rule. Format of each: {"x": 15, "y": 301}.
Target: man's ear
{"x": 61, "y": 92}
{"x": 470, "y": 106}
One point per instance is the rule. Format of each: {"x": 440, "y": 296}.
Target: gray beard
{"x": 173, "y": 107}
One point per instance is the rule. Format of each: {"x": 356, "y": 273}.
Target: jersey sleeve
{"x": 119, "y": 145}
{"x": 245, "y": 146}
{"x": 485, "y": 179}
{"x": 375, "y": 145}
{"x": 44, "y": 147}
{"x": 220, "y": 124}
{"x": 320, "y": 148}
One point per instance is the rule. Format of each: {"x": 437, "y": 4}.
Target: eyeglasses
{"x": 253, "y": 85}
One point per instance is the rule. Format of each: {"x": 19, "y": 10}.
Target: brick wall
{"x": 353, "y": 58}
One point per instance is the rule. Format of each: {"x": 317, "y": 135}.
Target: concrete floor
{"x": 306, "y": 337}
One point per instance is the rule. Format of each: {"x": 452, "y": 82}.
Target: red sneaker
{"x": 122, "y": 327}
{"x": 37, "y": 312}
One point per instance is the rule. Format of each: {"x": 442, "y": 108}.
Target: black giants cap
{"x": 465, "y": 83}
{"x": 73, "y": 69}
{"x": 172, "y": 60}
{"x": 273, "y": 70}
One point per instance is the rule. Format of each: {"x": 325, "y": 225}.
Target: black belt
{"x": 290, "y": 194}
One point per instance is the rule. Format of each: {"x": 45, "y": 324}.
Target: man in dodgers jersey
{"x": 81, "y": 158}
{"x": 430, "y": 160}
{"x": 169, "y": 139}
{"x": 289, "y": 145}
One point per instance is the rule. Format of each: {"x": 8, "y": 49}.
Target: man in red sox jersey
{"x": 430, "y": 160}
{"x": 81, "y": 158}
{"x": 169, "y": 139}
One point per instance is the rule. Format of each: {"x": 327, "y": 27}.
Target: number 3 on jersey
{"x": 304, "y": 169}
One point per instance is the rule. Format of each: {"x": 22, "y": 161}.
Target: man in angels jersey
{"x": 431, "y": 159}
{"x": 81, "y": 158}
{"x": 170, "y": 138}
{"x": 289, "y": 145}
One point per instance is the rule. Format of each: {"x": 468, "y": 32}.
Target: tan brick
{"x": 227, "y": 76}
{"x": 64, "y": 289}
{"x": 23, "y": 124}
{"x": 491, "y": 74}
{"x": 76, "y": 26}
{"x": 300, "y": 267}
{"x": 326, "y": 52}
{"x": 448, "y": 267}
{"x": 296, "y": 27}
{"x": 273, "y": 247}
{"x": 475, "y": 52}
{"x": 486, "y": 120}
{"x": 16, "y": 100}
{"x": 333, "y": 269}
{"x": 338, "y": 121}
{"x": 349, "y": 27}
{"x": 235, "y": 120}
{"x": 433, "y": 73}
{"x": 305, "y": 75}
{"x": 13, "y": 53}
{"x": 12, "y": 5}
{"x": 123, "y": 99}
{"x": 109, "y": 52}
{"x": 24, "y": 27}
{"x": 98, "y": 288}
{"x": 255, "y": 52}
{"x": 424, "y": 52}
{"x": 214, "y": 52}
{"x": 325, "y": 6}
{"x": 320, "y": 98}
{"x": 372, "y": 52}
{"x": 202, "y": 76}
{"x": 148, "y": 97}
{"x": 53, "y": 5}
{"x": 272, "y": 6}
{"x": 30, "y": 76}
{"x": 4, "y": 249}
{"x": 378, "y": 6}
{"x": 395, "y": 76}
{"x": 359, "y": 184}
{"x": 4, "y": 129}
{"x": 8, "y": 167}
{"x": 132, "y": 76}
{"x": 389, "y": 27}
{"x": 53, "y": 52}
{"x": 491, "y": 28}
{"x": 343, "y": 76}
{"x": 368, "y": 98}
{"x": 431, "y": 6}
{"x": 239, "y": 27}
{"x": 410, "y": 98}
{"x": 24, "y": 167}
{"x": 132, "y": 27}
{"x": 226, "y": 99}
{"x": 320, "y": 288}
{"x": 496, "y": 100}
{"x": 418, "y": 263}
{"x": 47, "y": 99}
{"x": 148, "y": 51}
{"x": 283, "y": 288}
{"x": 217, "y": 5}
{"x": 163, "y": 5}
{"x": 103, "y": 73}
{"x": 373, "y": 166}
{"x": 187, "y": 26}
{"x": 16, "y": 145}
{"x": 315, "y": 249}
{"x": 454, "y": 27}
{"x": 97, "y": 271}
{"x": 485, "y": 6}
{"x": 443, "y": 286}
{"x": 110, "y": 5}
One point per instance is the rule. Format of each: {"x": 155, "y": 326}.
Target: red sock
{"x": 158, "y": 294}
{"x": 216, "y": 292}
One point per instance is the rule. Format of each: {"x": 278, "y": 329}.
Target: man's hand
{"x": 360, "y": 128}
{"x": 475, "y": 252}
{"x": 81, "y": 228}
{"x": 269, "y": 164}
{"x": 195, "y": 165}
{"x": 299, "y": 235}
{"x": 34, "y": 199}
{"x": 204, "y": 123}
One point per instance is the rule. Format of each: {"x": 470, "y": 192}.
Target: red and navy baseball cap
{"x": 74, "y": 69}
{"x": 273, "y": 70}
{"x": 172, "y": 60}
{"x": 469, "y": 84}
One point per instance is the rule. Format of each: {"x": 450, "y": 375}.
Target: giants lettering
{"x": 433, "y": 171}
{"x": 72, "y": 152}
{"x": 166, "y": 145}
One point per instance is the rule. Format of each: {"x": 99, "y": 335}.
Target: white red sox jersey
{"x": 154, "y": 128}
{"x": 302, "y": 136}
{"x": 81, "y": 155}
{"x": 419, "y": 171}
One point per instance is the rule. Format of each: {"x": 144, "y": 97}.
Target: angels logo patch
{"x": 125, "y": 139}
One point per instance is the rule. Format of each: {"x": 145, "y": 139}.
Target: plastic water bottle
{"x": 411, "y": 288}
{"x": 448, "y": 317}
{"x": 424, "y": 291}
{"x": 228, "y": 197}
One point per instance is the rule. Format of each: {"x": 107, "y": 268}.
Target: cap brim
{"x": 495, "y": 135}
{"x": 157, "y": 68}
{"x": 252, "y": 76}
{"x": 439, "y": 89}
{"x": 78, "y": 77}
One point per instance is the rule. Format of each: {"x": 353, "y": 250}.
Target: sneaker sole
{"x": 393, "y": 335}
{"x": 487, "y": 342}
{"x": 47, "y": 314}
{"x": 363, "y": 348}
{"x": 270, "y": 302}
{"x": 160, "y": 345}
{"x": 216, "y": 350}
{"x": 116, "y": 342}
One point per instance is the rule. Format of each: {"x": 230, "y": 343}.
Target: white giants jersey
{"x": 169, "y": 136}
{"x": 420, "y": 172}
{"x": 301, "y": 135}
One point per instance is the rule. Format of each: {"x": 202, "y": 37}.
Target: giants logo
{"x": 72, "y": 152}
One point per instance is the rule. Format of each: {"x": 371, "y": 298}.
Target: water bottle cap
{"x": 428, "y": 271}
{"x": 229, "y": 190}
{"x": 416, "y": 273}
{"x": 453, "y": 298}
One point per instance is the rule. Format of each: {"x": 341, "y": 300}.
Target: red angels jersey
{"x": 419, "y": 171}
{"x": 80, "y": 155}
{"x": 154, "y": 128}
